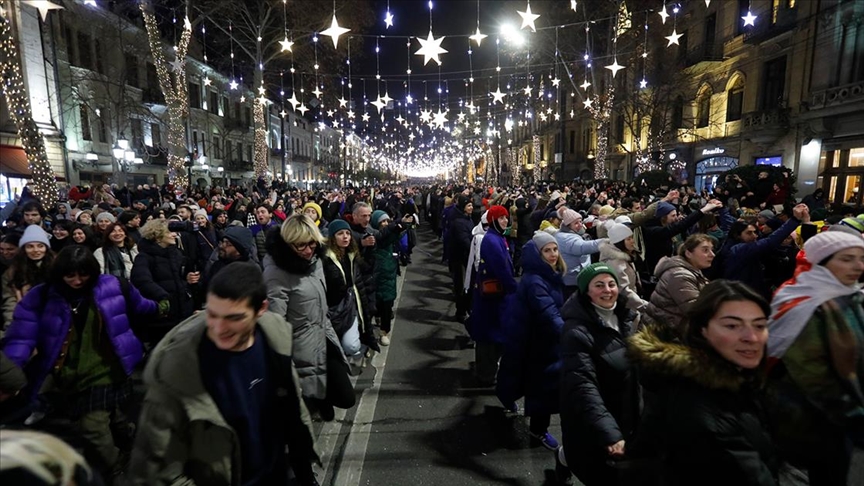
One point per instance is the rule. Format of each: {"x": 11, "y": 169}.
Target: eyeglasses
{"x": 304, "y": 246}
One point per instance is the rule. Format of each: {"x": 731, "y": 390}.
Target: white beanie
{"x": 34, "y": 234}
{"x": 201, "y": 212}
{"x": 569, "y": 216}
{"x": 827, "y": 243}
{"x": 542, "y": 238}
{"x": 623, "y": 220}
{"x": 619, "y": 232}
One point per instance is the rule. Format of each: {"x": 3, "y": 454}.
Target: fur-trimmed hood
{"x": 659, "y": 357}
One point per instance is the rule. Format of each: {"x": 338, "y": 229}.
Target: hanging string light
{"x": 430, "y": 48}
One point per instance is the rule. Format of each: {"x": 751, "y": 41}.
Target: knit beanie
{"x": 377, "y": 217}
{"x": 338, "y": 225}
{"x": 664, "y": 208}
{"x": 606, "y": 210}
{"x": 827, "y": 243}
{"x": 241, "y": 237}
{"x": 34, "y": 234}
{"x": 542, "y": 238}
{"x": 496, "y": 212}
{"x": 103, "y": 216}
{"x": 314, "y": 206}
{"x": 461, "y": 202}
{"x": 551, "y": 213}
{"x": 588, "y": 273}
{"x": 200, "y": 212}
{"x": 767, "y": 214}
{"x": 569, "y": 216}
{"x": 853, "y": 223}
{"x": 619, "y": 232}
{"x": 623, "y": 220}
{"x": 86, "y": 211}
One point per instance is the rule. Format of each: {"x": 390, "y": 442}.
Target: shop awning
{"x": 13, "y": 161}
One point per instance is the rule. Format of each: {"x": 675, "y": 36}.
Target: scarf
{"x": 114, "y": 262}
{"x": 794, "y": 304}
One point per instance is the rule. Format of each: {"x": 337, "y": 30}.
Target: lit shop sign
{"x": 713, "y": 151}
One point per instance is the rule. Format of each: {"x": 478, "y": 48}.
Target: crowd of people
{"x": 245, "y": 317}
{"x": 683, "y": 337}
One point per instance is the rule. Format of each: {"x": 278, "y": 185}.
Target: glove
{"x": 164, "y": 308}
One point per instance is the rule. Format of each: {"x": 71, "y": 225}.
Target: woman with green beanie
{"x": 386, "y": 267}
{"x": 599, "y": 394}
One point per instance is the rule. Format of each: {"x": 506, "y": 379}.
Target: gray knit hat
{"x": 542, "y": 238}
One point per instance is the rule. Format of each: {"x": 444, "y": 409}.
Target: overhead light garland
{"x": 44, "y": 180}
{"x": 335, "y": 30}
{"x": 528, "y": 18}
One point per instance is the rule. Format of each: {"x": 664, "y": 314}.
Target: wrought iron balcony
{"x": 762, "y": 31}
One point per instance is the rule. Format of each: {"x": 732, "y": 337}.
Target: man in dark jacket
{"x": 236, "y": 245}
{"x": 659, "y": 232}
{"x": 461, "y": 226}
{"x": 223, "y": 398}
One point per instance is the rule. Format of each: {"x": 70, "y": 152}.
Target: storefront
{"x": 841, "y": 173}
{"x": 710, "y": 169}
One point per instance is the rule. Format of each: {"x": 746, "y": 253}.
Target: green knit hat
{"x": 377, "y": 217}
{"x": 588, "y": 273}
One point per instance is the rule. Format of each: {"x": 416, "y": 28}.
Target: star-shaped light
{"x": 286, "y": 44}
{"x": 440, "y": 119}
{"x": 673, "y": 39}
{"x": 460, "y": 117}
{"x": 350, "y": 114}
{"x": 388, "y": 19}
{"x": 335, "y": 31}
{"x": 749, "y": 19}
{"x": 527, "y": 90}
{"x": 317, "y": 92}
{"x": 330, "y": 113}
{"x": 425, "y": 116}
{"x": 528, "y": 18}
{"x": 477, "y": 130}
{"x": 91, "y": 3}
{"x": 233, "y": 84}
{"x": 294, "y": 101}
{"x": 386, "y": 98}
{"x": 263, "y": 100}
{"x": 498, "y": 96}
{"x": 585, "y": 85}
{"x": 556, "y": 82}
{"x": 400, "y": 119}
{"x": 430, "y": 49}
{"x": 261, "y": 90}
{"x": 557, "y": 116}
{"x": 588, "y": 102}
{"x": 664, "y": 14}
{"x": 643, "y": 84}
{"x": 342, "y": 102}
{"x": 207, "y": 81}
{"x": 411, "y": 137}
{"x": 379, "y": 103}
{"x": 614, "y": 67}
{"x": 242, "y": 99}
{"x": 302, "y": 109}
{"x": 543, "y": 117}
{"x": 283, "y": 113}
{"x": 478, "y": 37}
{"x": 409, "y": 99}
{"x": 365, "y": 117}
{"x": 177, "y": 65}
{"x": 573, "y": 5}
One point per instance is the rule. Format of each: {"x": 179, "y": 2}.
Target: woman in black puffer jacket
{"x": 160, "y": 275}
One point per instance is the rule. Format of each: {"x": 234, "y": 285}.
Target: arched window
{"x": 703, "y": 107}
{"x": 735, "y": 99}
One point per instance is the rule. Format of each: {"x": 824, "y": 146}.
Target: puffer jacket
{"x": 678, "y": 286}
{"x": 576, "y": 252}
{"x": 599, "y": 390}
{"x": 487, "y": 310}
{"x": 628, "y": 279}
{"x": 703, "y": 419}
{"x": 183, "y": 435}
{"x": 43, "y": 318}
{"x": 296, "y": 290}
{"x": 531, "y": 363}
{"x": 160, "y": 274}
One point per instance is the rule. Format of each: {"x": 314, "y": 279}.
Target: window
{"x": 100, "y": 66}
{"x": 225, "y": 107}
{"x": 678, "y": 113}
{"x": 85, "y": 51}
{"x": 228, "y": 149}
{"x": 774, "y": 85}
{"x": 236, "y": 113}
{"x": 70, "y": 46}
{"x": 572, "y": 141}
{"x": 735, "y": 101}
{"x": 682, "y": 48}
{"x": 194, "y": 95}
{"x": 710, "y": 32}
{"x": 86, "y": 134}
{"x": 247, "y": 116}
{"x": 132, "y": 70}
{"x": 249, "y": 152}
{"x": 103, "y": 132}
{"x": 619, "y": 128}
{"x": 216, "y": 151}
{"x": 155, "y": 135}
{"x": 743, "y": 8}
{"x": 703, "y": 111}
{"x": 152, "y": 77}
{"x": 214, "y": 103}
{"x": 194, "y": 142}
{"x": 239, "y": 150}
{"x": 137, "y": 133}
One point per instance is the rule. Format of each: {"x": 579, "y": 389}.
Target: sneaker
{"x": 546, "y": 440}
{"x": 563, "y": 476}
{"x": 385, "y": 339}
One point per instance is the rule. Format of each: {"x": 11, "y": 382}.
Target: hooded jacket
{"x": 473, "y": 265}
{"x": 487, "y": 310}
{"x": 183, "y": 435}
{"x": 297, "y": 291}
{"x": 678, "y": 286}
{"x": 628, "y": 279}
{"x": 703, "y": 417}
{"x": 159, "y": 273}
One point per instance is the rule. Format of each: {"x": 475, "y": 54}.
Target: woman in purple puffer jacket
{"x": 78, "y": 325}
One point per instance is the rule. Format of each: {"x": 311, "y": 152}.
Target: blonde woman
{"x": 296, "y": 290}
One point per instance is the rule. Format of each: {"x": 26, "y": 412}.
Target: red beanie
{"x": 496, "y": 212}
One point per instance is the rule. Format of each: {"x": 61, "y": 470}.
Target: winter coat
{"x": 599, "y": 390}
{"x": 487, "y": 309}
{"x": 127, "y": 256}
{"x": 43, "y": 319}
{"x": 678, "y": 286}
{"x": 183, "y": 435}
{"x": 368, "y": 262}
{"x": 628, "y": 279}
{"x": 531, "y": 363}
{"x": 207, "y": 244}
{"x": 703, "y": 417}
{"x": 260, "y": 234}
{"x": 658, "y": 238}
{"x": 742, "y": 261}
{"x": 342, "y": 313}
{"x": 473, "y": 264}
{"x": 159, "y": 273}
{"x": 576, "y": 251}
{"x": 637, "y": 219}
{"x": 385, "y": 265}
{"x": 297, "y": 291}
{"x": 461, "y": 227}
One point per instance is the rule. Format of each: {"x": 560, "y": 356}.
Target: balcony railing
{"x": 786, "y": 20}
{"x": 708, "y": 52}
{"x": 838, "y": 95}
